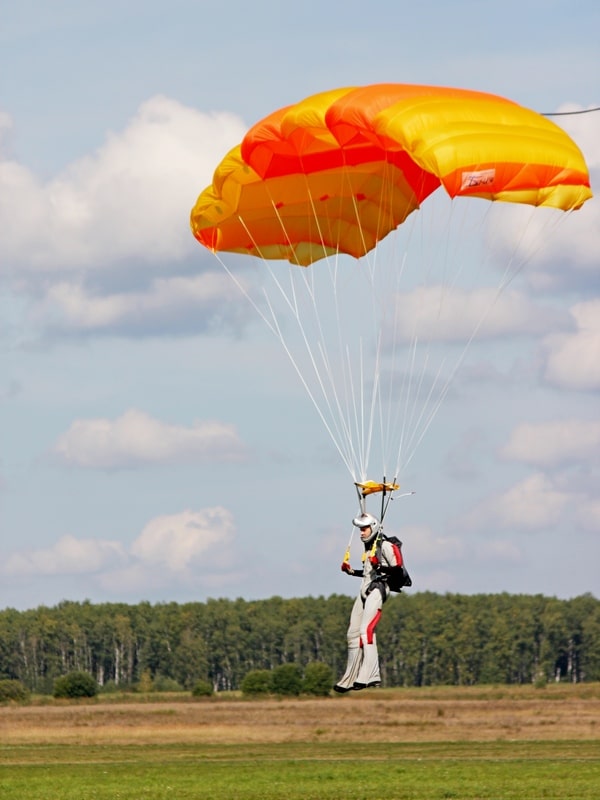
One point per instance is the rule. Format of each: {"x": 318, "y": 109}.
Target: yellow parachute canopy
{"x": 336, "y": 172}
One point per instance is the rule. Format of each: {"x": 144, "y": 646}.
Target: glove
{"x": 374, "y": 561}
{"x": 347, "y": 568}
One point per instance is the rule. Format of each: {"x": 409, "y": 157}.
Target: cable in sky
{"x": 568, "y": 113}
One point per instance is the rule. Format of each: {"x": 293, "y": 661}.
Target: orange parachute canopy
{"x": 336, "y": 172}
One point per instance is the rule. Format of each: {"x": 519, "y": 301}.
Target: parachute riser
{"x": 362, "y": 499}
{"x": 386, "y": 489}
{"x": 365, "y": 489}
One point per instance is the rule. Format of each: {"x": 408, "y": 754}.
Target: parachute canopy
{"x": 375, "y": 330}
{"x": 336, "y": 172}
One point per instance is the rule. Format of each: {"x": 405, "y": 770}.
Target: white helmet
{"x": 367, "y": 521}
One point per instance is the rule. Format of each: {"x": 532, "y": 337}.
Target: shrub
{"x": 318, "y": 678}
{"x": 540, "y": 680}
{"x": 109, "y": 687}
{"x": 202, "y": 689}
{"x": 146, "y": 684}
{"x": 164, "y": 684}
{"x": 13, "y": 690}
{"x": 75, "y": 684}
{"x": 257, "y": 681}
{"x": 286, "y": 679}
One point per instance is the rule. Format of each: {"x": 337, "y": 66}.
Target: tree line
{"x": 424, "y": 639}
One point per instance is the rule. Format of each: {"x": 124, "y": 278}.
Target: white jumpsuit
{"x": 363, "y": 659}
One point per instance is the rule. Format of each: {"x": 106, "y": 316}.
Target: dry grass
{"x": 381, "y": 715}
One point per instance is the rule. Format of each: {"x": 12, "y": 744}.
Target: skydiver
{"x": 362, "y": 669}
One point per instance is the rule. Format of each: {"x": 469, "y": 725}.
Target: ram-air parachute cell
{"x": 332, "y": 176}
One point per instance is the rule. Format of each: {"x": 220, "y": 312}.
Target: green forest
{"x": 424, "y": 639}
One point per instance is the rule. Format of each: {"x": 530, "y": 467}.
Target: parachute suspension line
{"x": 398, "y": 425}
{"x": 448, "y": 382}
{"x": 407, "y": 383}
{"x": 400, "y": 393}
{"x": 338, "y": 419}
{"x": 387, "y": 496}
{"x": 376, "y": 399}
{"x": 338, "y": 426}
{"x": 347, "y": 408}
{"x": 379, "y": 301}
{"x": 355, "y": 398}
{"x": 511, "y": 270}
{"x": 362, "y": 427}
{"x": 422, "y": 415}
{"x": 390, "y": 281}
{"x": 357, "y": 394}
{"x": 361, "y": 389}
{"x": 420, "y": 427}
{"x": 360, "y": 458}
{"x": 373, "y": 404}
{"x": 417, "y": 420}
{"x": 307, "y": 388}
{"x": 555, "y": 221}
{"x": 369, "y": 408}
{"x": 414, "y": 378}
{"x": 273, "y": 325}
{"x": 350, "y": 410}
{"x": 245, "y": 292}
{"x": 408, "y": 423}
{"x": 341, "y": 436}
{"x": 342, "y": 404}
{"x": 377, "y": 411}
{"x": 413, "y": 420}
{"x": 391, "y": 423}
{"x": 406, "y": 407}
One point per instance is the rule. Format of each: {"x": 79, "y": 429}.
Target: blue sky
{"x": 154, "y": 441}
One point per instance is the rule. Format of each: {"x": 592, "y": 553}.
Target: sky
{"x": 155, "y": 443}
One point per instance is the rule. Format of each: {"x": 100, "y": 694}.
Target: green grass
{"x": 433, "y": 771}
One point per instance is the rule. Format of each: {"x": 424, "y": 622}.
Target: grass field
{"x": 427, "y": 744}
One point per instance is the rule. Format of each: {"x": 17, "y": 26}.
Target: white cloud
{"x": 136, "y": 439}
{"x": 170, "y": 550}
{"x": 173, "y": 304}
{"x": 440, "y": 581}
{"x": 131, "y": 199}
{"x": 534, "y": 504}
{"x": 180, "y": 541}
{"x": 95, "y": 249}
{"x": 573, "y": 359}
{"x": 558, "y": 250}
{"x": 588, "y": 515}
{"x": 428, "y": 547}
{"x": 68, "y": 556}
{"x": 498, "y": 551}
{"x": 440, "y": 313}
{"x": 555, "y": 443}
